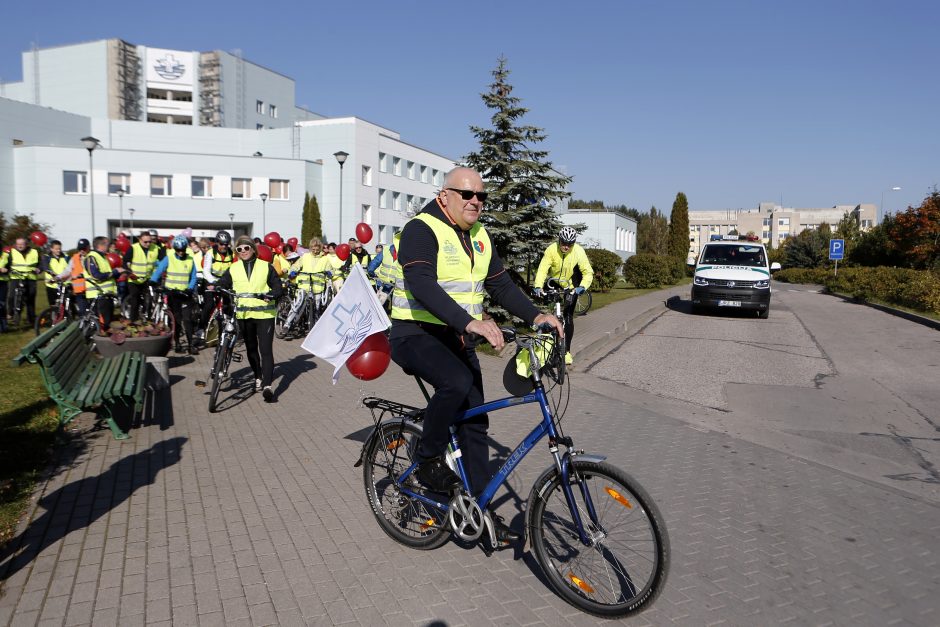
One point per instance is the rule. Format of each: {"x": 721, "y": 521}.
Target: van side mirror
{"x": 775, "y": 266}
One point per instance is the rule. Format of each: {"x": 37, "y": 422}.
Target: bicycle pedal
{"x": 237, "y": 358}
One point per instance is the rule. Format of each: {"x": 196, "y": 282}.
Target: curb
{"x": 907, "y": 315}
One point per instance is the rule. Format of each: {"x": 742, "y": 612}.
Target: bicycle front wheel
{"x": 47, "y": 319}
{"x": 403, "y": 518}
{"x": 281, "y": 328}
{"x": 218, "y": 368}
{"x": 623, "y": 567}
{"x": 584, "y": 303}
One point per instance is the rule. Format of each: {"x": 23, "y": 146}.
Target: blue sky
{"x": 816, "y": 103}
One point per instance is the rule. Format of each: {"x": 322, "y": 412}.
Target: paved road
{"x": 256, "y": 516}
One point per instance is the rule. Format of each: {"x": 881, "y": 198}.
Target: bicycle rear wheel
{"x": 281, "y": 329}
{"x": 47, "y": 319}
{"x": 625, "y": 566}
{"x": 218, "y": 368}
{"x": 584, "y": 303}
{"x": 403, "y": 518}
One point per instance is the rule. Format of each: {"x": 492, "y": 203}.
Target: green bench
{"x": 79, "y": 380}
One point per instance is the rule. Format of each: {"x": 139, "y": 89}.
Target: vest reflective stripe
{"x": 457, "y": 277}
{"x": 251, "y": 292}
{"x": 78, "y": 278}
{"x": 57, "y": 265}
{"x": 143, "y": 262}
{"x": 178, "y": 273}
{"x": 220, "y": 264}
{"x": 4, "y": 257}
{"x": 23, "y": 267}
{"x": 107, "y": 286}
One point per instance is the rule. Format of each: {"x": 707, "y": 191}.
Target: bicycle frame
{"x": 545, "y": 428}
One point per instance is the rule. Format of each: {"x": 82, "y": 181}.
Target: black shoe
{"x": 268, "y": 394}
{"x": 178, "y": 348}
{"x": 193, "y": 350}
{"x": 504, "y": 534}
{"x": 436, "y": 475}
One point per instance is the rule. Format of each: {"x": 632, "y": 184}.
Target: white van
{"x": 732, "y": 273}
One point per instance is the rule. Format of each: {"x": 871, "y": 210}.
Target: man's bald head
{"x": 457, "y": 183}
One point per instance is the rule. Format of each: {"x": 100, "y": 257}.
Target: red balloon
{"x": 122, "y": 244}
{"x": 273, "y": 239}
{"x": 265, "y": 253}
{"x": 371, "y": 358}
{"x": 342, "y": 251}
{"x": 114, "y": 259}
{"x": 293, "y": 242}
{"x": 7, "y": 249}
{"x": 39, "y": 238}
{"x": 363, "y": 232}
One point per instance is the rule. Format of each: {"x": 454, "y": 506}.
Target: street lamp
{"x": 231, "y": 222}
{"x": 131, "y": 211}
{"x": 264, "y": 215}
{"x": 90, "y": 144}
{"x": 120, "y": 195}
{"x": 341, "y": 158}
{"x": 893, "y": 189}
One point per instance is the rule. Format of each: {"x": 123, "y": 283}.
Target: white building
{"x": 244, "y": 158}
{"x": 609, "y": 230}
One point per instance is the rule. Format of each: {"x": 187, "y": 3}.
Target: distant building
{"x": 193, "y": 139}
{"x": 610, "y": 230}
{"x": 771, "y": 222}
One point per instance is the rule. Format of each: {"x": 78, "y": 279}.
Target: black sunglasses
{"x": 467, "y": 194}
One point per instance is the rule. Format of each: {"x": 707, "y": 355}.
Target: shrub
{"x": 802, "y": 275}
{"x": 916, "y": 289}
{"x": 645, "y": 270}
{"x": 605, "y": 264}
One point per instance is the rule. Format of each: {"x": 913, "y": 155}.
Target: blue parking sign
{"x": 836, "y": 249}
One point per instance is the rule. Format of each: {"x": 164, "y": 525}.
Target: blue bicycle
{"x": 597, "y": 535}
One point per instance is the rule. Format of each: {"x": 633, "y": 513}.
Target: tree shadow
{"x": 79, "y": 504}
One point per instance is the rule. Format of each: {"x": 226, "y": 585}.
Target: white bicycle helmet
{"x": 567, "y": 235}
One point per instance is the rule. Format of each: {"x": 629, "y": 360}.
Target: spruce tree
{"x": 522, "y": 184}
{"x": 679, "y": 228}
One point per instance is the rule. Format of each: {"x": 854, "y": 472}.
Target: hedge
{"x": 644, "y": 270}
{"x": 916, "y": 289}
{"x": 604, "y": 263}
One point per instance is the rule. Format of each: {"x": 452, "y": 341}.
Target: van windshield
{"x": 734, "y": 255}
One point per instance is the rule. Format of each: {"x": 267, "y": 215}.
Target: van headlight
{"x": 700, "y": 281}
{"x": 762, "y": 284}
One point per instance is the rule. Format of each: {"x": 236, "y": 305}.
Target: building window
{"x": 382, "y": 239}
{"x": 383, "y": 162}
{"x": 241, "y": 188}
{"x": 396, "y": 166}
{"x": 424, "y": 174}
{"x": 783, "y": 222}
{"x": 75, "y": 182}
{"x": 259, "y": 106}
{"x": 866, "y": 224}
{"x": 202, "y": 187}
{"x": 411, "y": 170}
{"x": 161, "y": 185}
{"x": 436, "y": 178}
{"x": 396, "y": 201}
{"x": 766, "y": 221}
{"x": 383, "y": 202}
{"x": 119, "y": 181}
{"x": 272, "y": 111}
{"x": 366, "y": 214}
{"x": 279, "y": 190}
{"x": 367, "y": 175}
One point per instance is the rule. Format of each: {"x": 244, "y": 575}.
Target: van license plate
{"x": 729, "y": 303}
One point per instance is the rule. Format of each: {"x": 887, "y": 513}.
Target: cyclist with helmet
{"x": 216, "y": 261}
{"x": 567, "y": 263}
{"x": 180, "y": 269}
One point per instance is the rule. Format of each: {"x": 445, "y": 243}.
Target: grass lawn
{"x": 28, "y": 420}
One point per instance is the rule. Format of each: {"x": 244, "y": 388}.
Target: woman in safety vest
{"x": 311, "y": 271}
{"x": 180, "y": 283}
{"x": 257, "y": 288}
{"x": 54, "y": 264}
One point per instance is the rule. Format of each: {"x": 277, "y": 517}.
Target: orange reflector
{"x": 394, "y": 444}
{"x": 585, "y": 586}
{"x": 428, "y": 524}
{"x": 619, "y": 498}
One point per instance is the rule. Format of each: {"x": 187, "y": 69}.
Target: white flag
{"x": 353, "y": 315}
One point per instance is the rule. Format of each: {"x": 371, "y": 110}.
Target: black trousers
{"x": 181, "y": 305}
{"x": 136, "y": 293}
{"x": 258, "y": 334}
{"x": 568, "y": 314}
{"x": 439, "y": 357}
{"x": 4, "y": 287}
{"x": 30, "y": 298}
{"x": 106, "y": 309}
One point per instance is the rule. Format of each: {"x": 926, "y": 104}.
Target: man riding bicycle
{"x": 447, "y": 261}
{"x": 567, "y": 263}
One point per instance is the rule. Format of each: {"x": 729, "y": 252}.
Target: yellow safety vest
{"x": 460, "y": 279}
{"x": 220, "y": 264}
{"x": 561, "y": 267}
{"x": 310, "y": 269}
{"x": 251, "y": 292}
{"x": 106, "y": 286}
{"x": 198, "y": 257}
{"x": 143, "y": 262}
{"x": 178, "y": 272}
{"x": 4, "y": 257}
{"x": 57, "y": 265}
{"x": 24, "y": 267}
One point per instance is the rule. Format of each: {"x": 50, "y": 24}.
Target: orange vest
{"x": 78, "y": 279}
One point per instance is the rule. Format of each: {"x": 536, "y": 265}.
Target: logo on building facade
{"x": 169, "y": 68}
